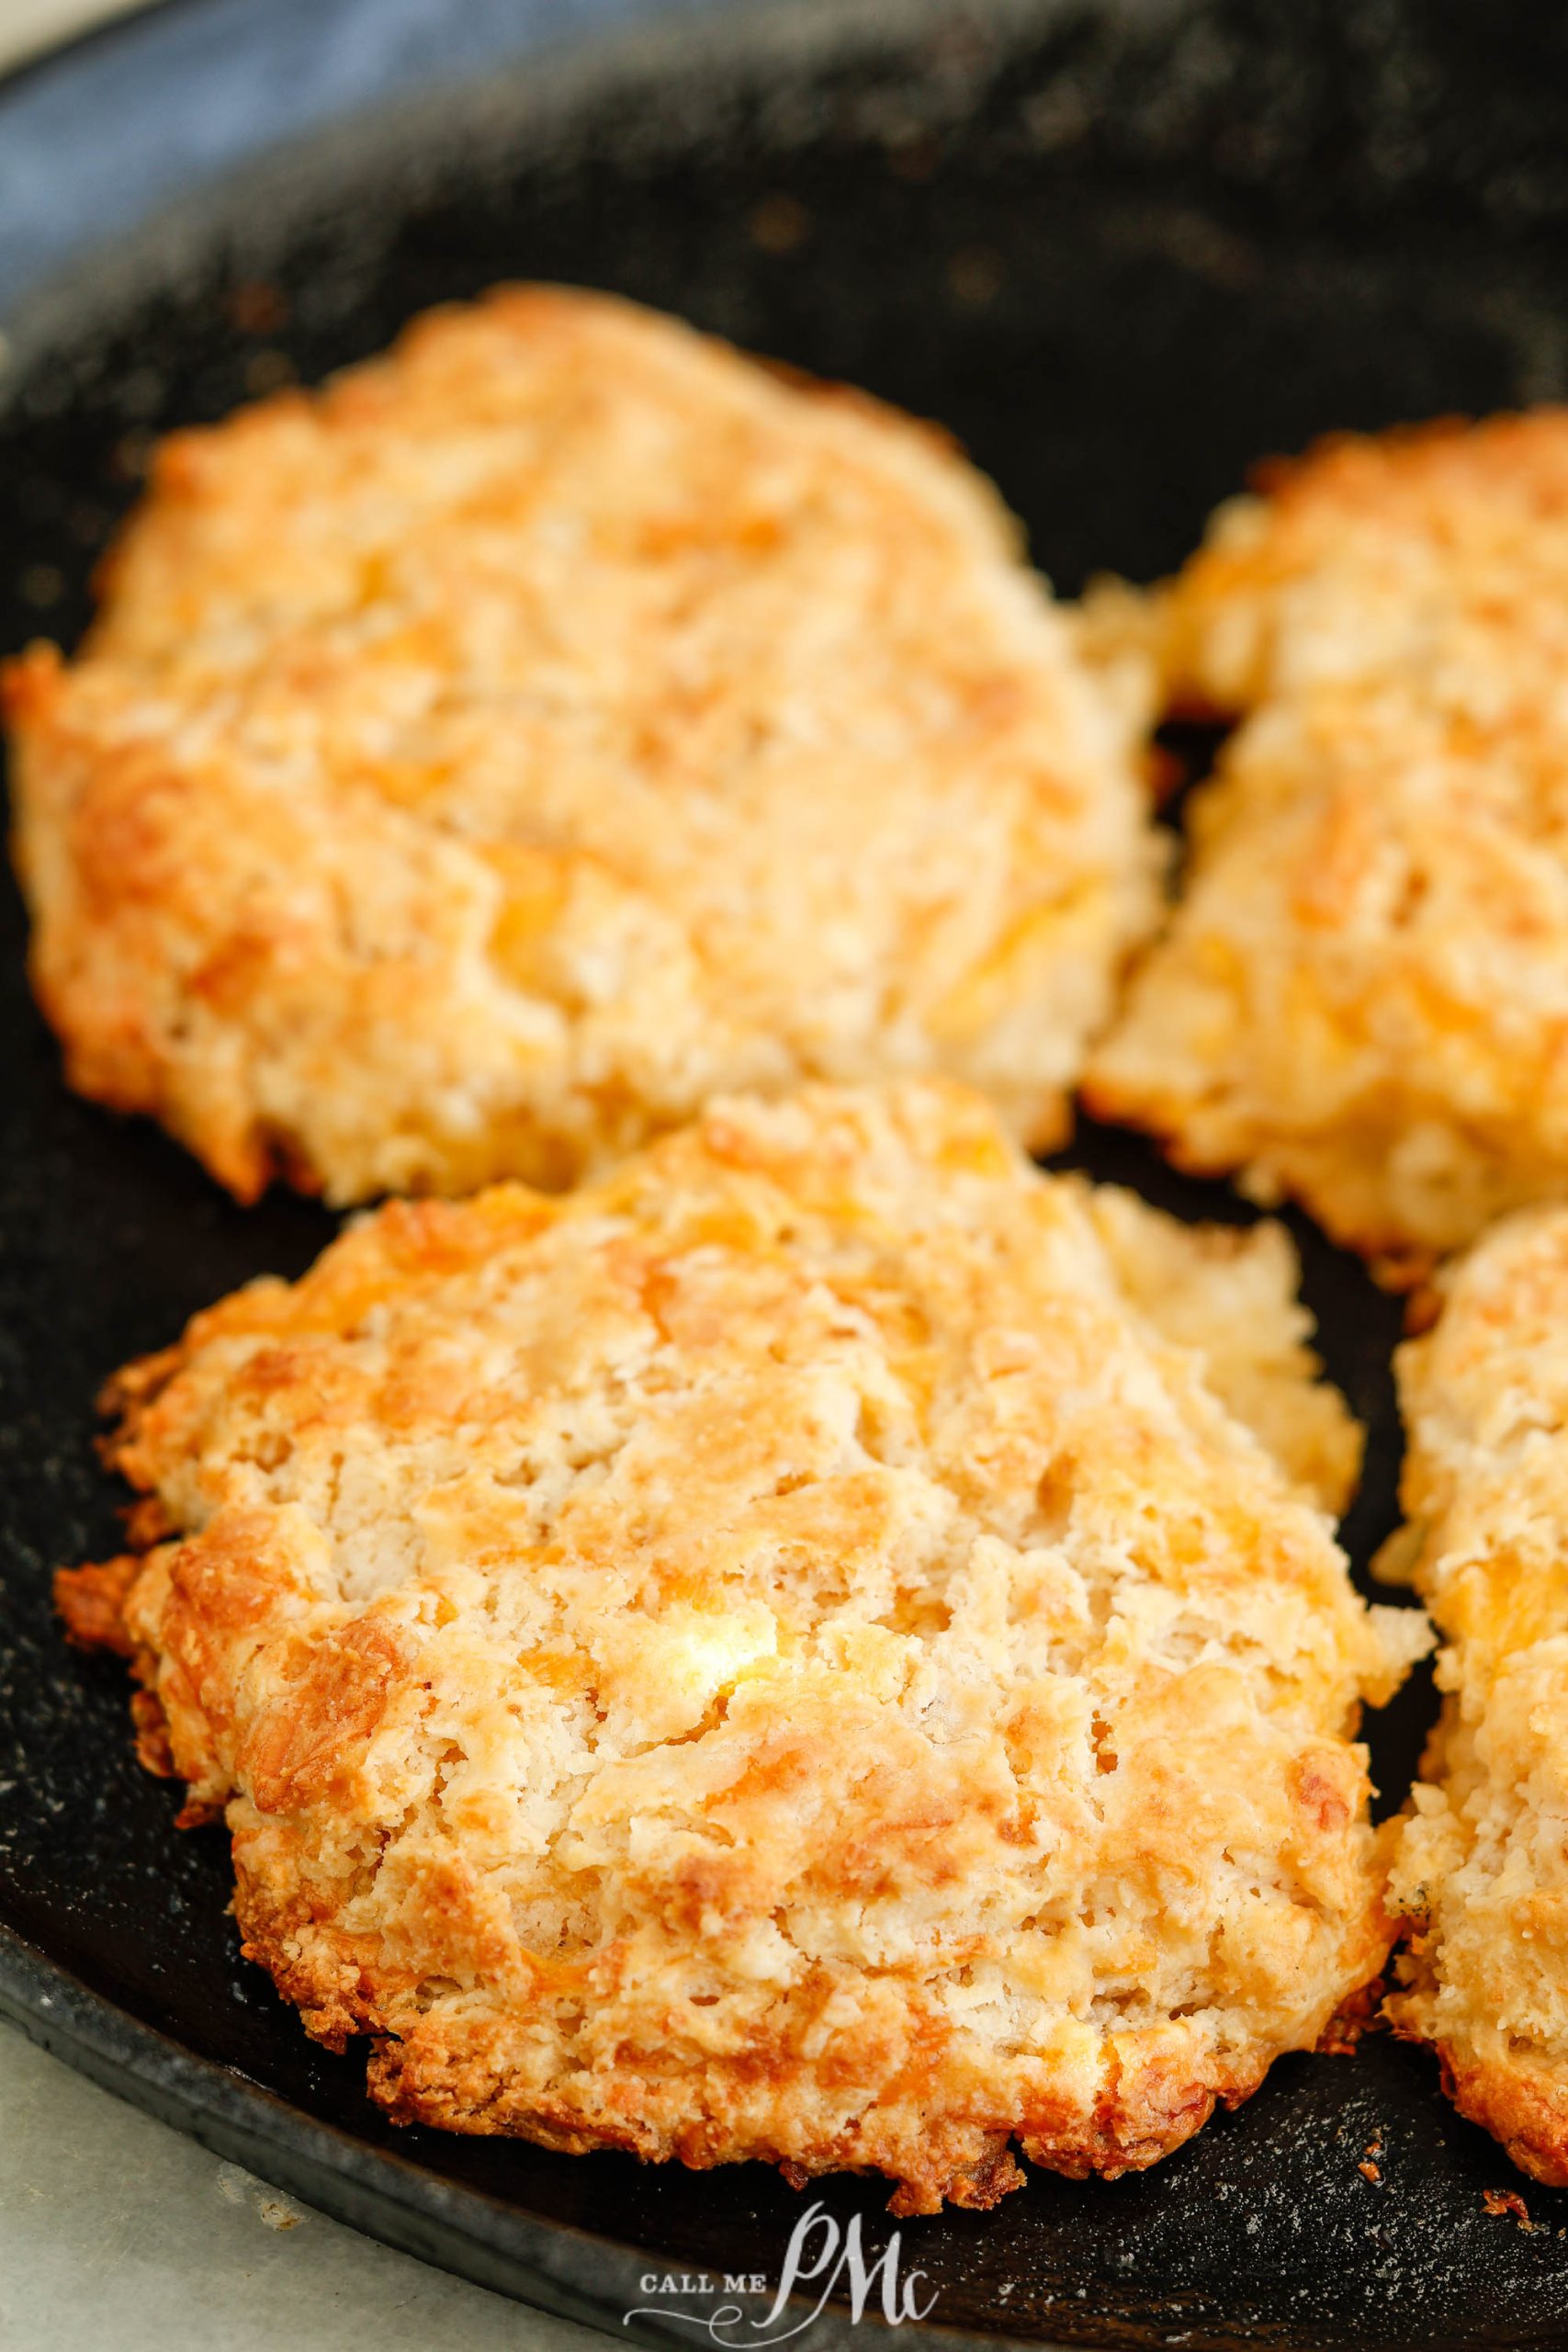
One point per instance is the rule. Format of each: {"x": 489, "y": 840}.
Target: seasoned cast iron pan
{"x": 1122, "y": 250}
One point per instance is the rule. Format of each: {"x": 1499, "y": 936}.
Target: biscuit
{"x": 1362, "y": 998}
{"x": 1480, "y": 1866}
{"x": 779, "y": 1653}
{"x": 478, "y": 762}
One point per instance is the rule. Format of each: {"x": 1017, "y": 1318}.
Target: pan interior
{"x": 1121, "y": 252}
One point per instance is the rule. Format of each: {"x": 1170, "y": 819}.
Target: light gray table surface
{"x": 114, "y": 2230}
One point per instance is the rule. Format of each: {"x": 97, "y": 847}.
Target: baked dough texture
{"x": 780, "y": 1653}
{"x": 1362, "y": 998}
{"x": 478, "y": 764}
{"x": 1480, "y": 1866}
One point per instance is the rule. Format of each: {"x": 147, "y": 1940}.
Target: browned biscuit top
{"x": 783, "y": 1652}
{"x": 1362, "y": 998}
{"x": 481, "y": 760}
{"x": 1481, "y": 1865}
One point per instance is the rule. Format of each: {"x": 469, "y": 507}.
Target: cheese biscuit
{"x": 1362, "y": 998}
{"x": 792, "y": 1650}
{"x": 478, "y": 762}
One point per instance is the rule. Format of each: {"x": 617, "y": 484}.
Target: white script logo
{"x": 839, "y": 2257}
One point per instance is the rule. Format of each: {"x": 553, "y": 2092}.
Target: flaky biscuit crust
{"x": 478, "y": 764}
{"x": 1362, "y": 998}
{"x": 779, "y": 1654}
{"x": 1480, "y": 1864}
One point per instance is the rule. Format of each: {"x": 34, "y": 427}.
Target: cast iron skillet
{"x": 1122, "y": 248}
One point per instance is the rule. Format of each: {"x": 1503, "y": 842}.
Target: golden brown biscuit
{"x": 778, "y": 1653}
{"x": 1481, "y": 1865}
{"x": 1362, "y": 998}
{"x": 478, "y": 762}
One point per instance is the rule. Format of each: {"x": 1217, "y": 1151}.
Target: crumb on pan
{"x": 1361, "y": 999}
{"x": 781, "y": 1653}
{"x": 1479, "y": 1866}
{"x": 478, "y": 762}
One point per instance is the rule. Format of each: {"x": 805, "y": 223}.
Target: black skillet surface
{"x": 1123, "y": 249}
